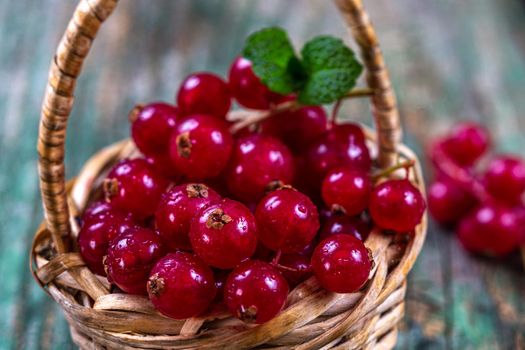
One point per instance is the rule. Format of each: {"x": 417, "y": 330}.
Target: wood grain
{"x": 449, "y": 60}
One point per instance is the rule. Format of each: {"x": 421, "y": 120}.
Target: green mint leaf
{"x": 332, "y": 70}
{"x": 274, "y": 60}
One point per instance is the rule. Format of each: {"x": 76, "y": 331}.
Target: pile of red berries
{"x": 482, "y": 199}
{"x": 208, "y": 216}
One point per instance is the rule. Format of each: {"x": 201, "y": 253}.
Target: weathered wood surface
{"x": 448, "y": 60}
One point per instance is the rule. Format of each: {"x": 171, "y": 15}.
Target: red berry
{"x": 223, "y": 233}
{"x": 255, "y": 291}
{"x": 247, "y": 88}
{"x": 297, "y": 128}
{"x": 345, "y": 224}
{"x": 287, "y": 220}
{"x": 130, "y": 258}
{"x": 220, "y": 277}
{"x": 491, "y": 229}
{"x": 448, "y": 202}
{"x": 181, "y": 285}
{"x": 175, "y": 211}
{"x": 505, "y": 179}
{"x": 342, "y": 263}
{"x": 134, "y": 186}
{"x": 347, "y": 189}
{"x": 152, "y": 126}
{"x": 97, "y": 208}
{"x": 204, "y": 93}
{"x": 200, "y": 147}
{"x": 163, "y": 165}
{"x": 467, "y": 142}
{"x": 295, "y": 268}
{"x": 96, "y": 233}
{"x": 256, "y": 162}
{"x": 397, "y": 205}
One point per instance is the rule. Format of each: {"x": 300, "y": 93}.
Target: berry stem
{"x": 360, "y": 92}
{"x": 335, "y": 110}
{"x": 276, "y": 259}
{"x": 407, "y": 164}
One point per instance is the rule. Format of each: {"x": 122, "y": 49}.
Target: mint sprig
{"x": 326, "y": 72}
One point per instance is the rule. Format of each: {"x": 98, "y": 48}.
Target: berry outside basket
{"x": 313, "y": 317}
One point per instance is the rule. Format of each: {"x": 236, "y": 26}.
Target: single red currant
{"x": 287, "y": 220}
{"x": 354, "y": 226}
{"x": 505, "y": 179}
{"x": 258, "y": 161}
{"x": 134, "y": 186}
{"x": 448, "y": 202}
{"x": 163, "y": 165}
{"x": 295, "y": 268}
{"x": 255, "y": 291}
{"x": 342, "y": 263}
{"x": 467, "y": 142}
{"x": 96, "y": 233}
{"x": 397, "y": 205}
{"x": 181, "y": 285}
{"x": 175, "y": 211}
{"x": 223, "y": 233}
{"x": 130, "y": 258}
{"x": 200, "y": 147}
{"x": 346, "y": 189}
{"x": 151, "y": 127}
{"x": 247, "y": 88}
{"x": 297, "y": 128}
{"x": 204, "y": 93}
{"x": 491, "y": 229}
{"x": 95, "y": 209}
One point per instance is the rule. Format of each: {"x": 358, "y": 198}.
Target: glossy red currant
{"x": 505, "y": 179}
{"x": 134, "y": 186}
{"x": 347, "y": 190}
{"x": 176, "y": 210}
{"x": 130, "y": 258}
{"x": 204, "y": 93}
{"x": 342, "y": 263}
{"x": 223, "y": 233}
{"x": 397, "y": 205}
{"x": 448, "y": 202}
{"x": 200, "y": 147}
{"x": 491, "y": 229}
{"x": 287, "y": 220}
{"x": 152, "y": 125}
{"x": 181, "y": 285}
{"x": 467, "y": 142}
{"x": 258, "y": 161}
{"x": 97, "y": 208}
{"x": 255, "y": 291}
{"x": 297, "y": 128}
{"x": 163, "y": 165}
{"x": 351, "y": 225}
{"x": 98, "y": 229}
{"x": 295, "y": 268}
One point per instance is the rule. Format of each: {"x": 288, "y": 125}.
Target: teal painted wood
{"x": 449, "y": 60}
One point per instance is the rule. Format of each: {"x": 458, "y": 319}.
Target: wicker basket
{"x": 313, "y": 317}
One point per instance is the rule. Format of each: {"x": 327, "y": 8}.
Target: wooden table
{"x": 449, "y": 60}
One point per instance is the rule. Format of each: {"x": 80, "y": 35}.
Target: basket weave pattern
{"x": 313, "y": 318}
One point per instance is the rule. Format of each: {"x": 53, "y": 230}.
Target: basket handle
{"x": 67, "y": 65}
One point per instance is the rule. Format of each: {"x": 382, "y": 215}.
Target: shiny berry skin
{"x": 346, "y": 189}
{"x": 295, "y": 268}
{"x": 134, "y": 186}
{"x": 287, "y": 220}
{"x": 163, "y": 165}
{"x": 181, "y": 285}
{"x": 342, "y": 263}
{"x": 505, "y": 179}
{"x": 151, "y": 127}
{"x": 467, "y": 142}
{"x": 175, "y": 211}
{"x": 223, "y": 233}
{"x": 297, "y": 128}
{"x": 255, "y": 291}
{"x": 257, "y": 161}
{"x": 491, "y": 229}
{"x": 95, "y": 209}
{"x": 96, "y": 233}
{"x": 448, "y": 202}
{"x": 130, "y": 258}
{"x": 247, "y": 88}
{"x": 397, "y": 205}
{"x": 204, "y": 93}
{"x": 351, "y": 225}
{"x": 200, "y": 147}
